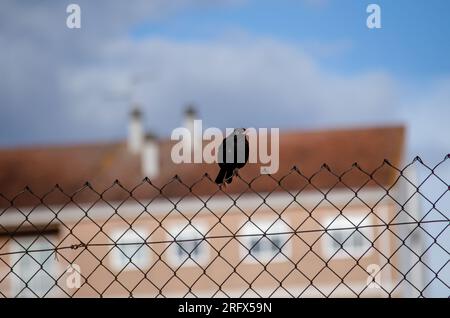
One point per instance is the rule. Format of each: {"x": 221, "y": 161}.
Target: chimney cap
{"x": 190, "y": 110}
{"x": 136, "y": 112}
{"x": 150, "y": 136}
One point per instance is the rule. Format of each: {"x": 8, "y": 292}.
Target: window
{"x": 345, "y": 242}
{"x": 33, "y": 270}
{"x": 129, "y": 255}
{"x": 269, "y": 248}
{"x": 190, "y": 248}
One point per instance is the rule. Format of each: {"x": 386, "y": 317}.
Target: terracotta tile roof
{"x": 101, "y": 164}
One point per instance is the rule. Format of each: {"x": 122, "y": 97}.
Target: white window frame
{"x": 40, "y": 286}
{"x": 119, "y": 260}
{"x": 329, "y": 244}
{"x": 181, "y": 232}
{"x": 264, "y": 256}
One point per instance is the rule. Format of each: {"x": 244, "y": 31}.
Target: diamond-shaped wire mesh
{"x": 369, "y": 240}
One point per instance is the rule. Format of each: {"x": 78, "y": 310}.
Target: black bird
{"x": 233, "y": 155}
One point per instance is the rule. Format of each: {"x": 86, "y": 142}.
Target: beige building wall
{"x": 225, "y": 267}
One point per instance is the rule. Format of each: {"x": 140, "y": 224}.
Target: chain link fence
{"x": 352, "y": 239}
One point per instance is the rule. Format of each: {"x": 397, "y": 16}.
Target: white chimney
{"x": 190, "y": 114}
{"x": 190, "y": 119}
{"x": 135, "y": 131}
{"x": 150, "y": 156}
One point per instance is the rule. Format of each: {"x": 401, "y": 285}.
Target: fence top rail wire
{"x": 310, "y": 179}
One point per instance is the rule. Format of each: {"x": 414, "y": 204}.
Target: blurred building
{"x": 59, "y": 208}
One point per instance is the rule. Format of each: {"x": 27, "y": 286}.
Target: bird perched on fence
{"x": 232, "y": 155}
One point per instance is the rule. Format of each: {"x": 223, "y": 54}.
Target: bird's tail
{"x": 221, "y": 176}
{"x": 229, "y": 176}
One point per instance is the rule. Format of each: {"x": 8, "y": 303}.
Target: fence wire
{"x": 371, "y": 239}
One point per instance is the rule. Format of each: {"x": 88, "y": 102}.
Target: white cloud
{"x": 257, "y": 83}
{"x": 38, "y": 51}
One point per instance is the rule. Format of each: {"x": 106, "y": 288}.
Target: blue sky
{"x": 413, "y": 42}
